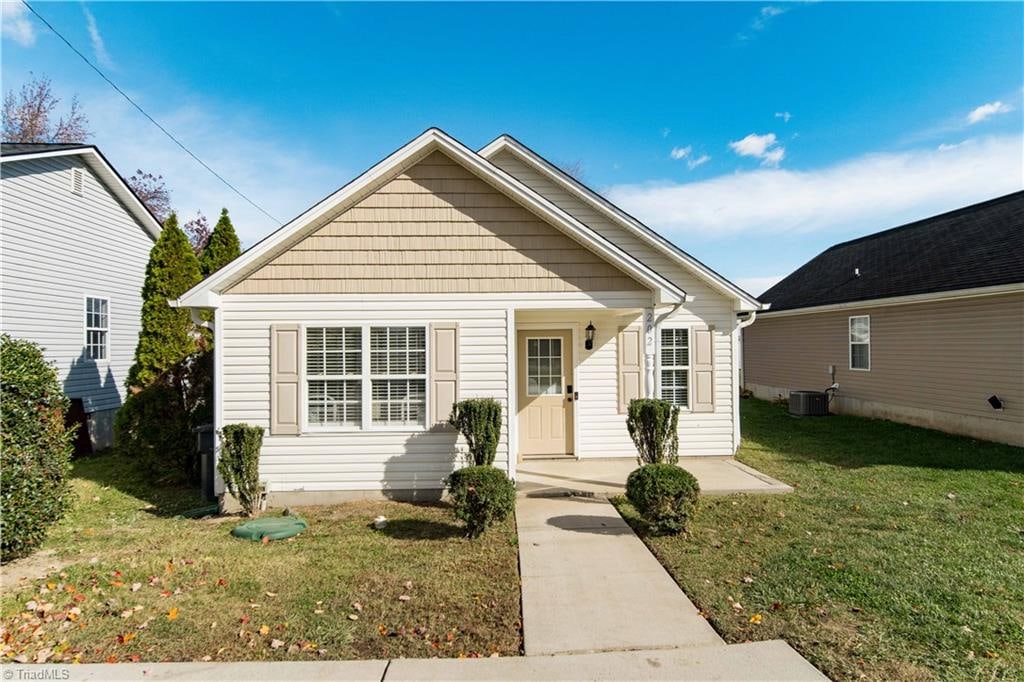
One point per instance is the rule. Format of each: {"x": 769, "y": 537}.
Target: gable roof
{"x": 204, "y": 294}
{"x": 592, "y": 198}
{"x": 975, "y": 246}
{"x": 12, "y": 152}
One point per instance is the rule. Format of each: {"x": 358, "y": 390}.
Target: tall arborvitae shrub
{"x": 221, "y": 248}
{"x": 239, "y": 464}
{"x": 168, "y": 335}
{"x": 479, "y": 421}
{"x": 35, "y": 448}
{"x": 654, "y": 427}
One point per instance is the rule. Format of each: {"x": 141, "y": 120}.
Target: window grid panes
{"x": 860, "y": 342}
{"x": 398, "y": 352}
{"x": 97, "y": 327}
{"x": 331, "y": 354}
{"x": 544, "y": 366}
{"x": 675, "y": 366}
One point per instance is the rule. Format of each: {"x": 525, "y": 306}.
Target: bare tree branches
{"x": 152, "y": 191}
{"x": 28, "y": 116}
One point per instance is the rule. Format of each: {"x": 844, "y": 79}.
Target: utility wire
{"x": 151, "y": 119}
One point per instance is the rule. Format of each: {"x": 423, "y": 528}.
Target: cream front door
{"x": 545, "y": 398}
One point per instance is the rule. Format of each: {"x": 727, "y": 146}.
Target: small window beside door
{"x": 543, "y": 366}
{"x": 97, "y": 327}
{"x": 860, "y": 342}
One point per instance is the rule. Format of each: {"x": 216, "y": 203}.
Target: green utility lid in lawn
{"x": 272, "y": 527}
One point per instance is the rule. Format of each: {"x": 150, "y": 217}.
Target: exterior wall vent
{"x": 808, "y": 403}
{"x": 77, "y": 181}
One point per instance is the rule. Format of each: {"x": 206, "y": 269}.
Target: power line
{"x": 151, "y": 119}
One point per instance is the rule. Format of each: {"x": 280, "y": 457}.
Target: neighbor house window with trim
{"x": 334, "y": 369}
{"x": 860, "y": 342}
{"x": 675, "y": 366}
{"x": 398, "y": 376}
{"x": 97, "y": 327}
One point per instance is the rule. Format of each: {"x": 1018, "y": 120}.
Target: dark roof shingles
{"x": 14, "y": 148}
{"x": 976, "y": 246}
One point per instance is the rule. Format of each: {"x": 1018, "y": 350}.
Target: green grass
{"x": 153, "y": 587}
{"x": 900, "y": 555}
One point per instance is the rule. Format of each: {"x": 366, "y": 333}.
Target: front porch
{"x": 716, "y": 475}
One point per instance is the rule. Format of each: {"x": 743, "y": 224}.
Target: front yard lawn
{"x": 900, "y": 555}
{"x": 149, "y": 586}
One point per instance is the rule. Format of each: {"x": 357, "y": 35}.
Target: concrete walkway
{"x": 716, "y": 475}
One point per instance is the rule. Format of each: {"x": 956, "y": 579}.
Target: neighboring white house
{"x": 442, "y": 274}
{"x": 75, "y": 241}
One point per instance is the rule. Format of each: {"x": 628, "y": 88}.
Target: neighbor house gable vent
{"x": 77, "y": 181}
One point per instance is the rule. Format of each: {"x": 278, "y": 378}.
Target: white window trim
{"x": 86, "y": 328}
{"x": 365, "y": 378}
{"x": 689, "y": 368}
{"x": 850, "y": 343}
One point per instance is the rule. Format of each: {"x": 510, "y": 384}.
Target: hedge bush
{"x": 665, "y": 495}
{"x": 153, "y": 428}
{"x": 479, "y": 421}
{"x": 35, "y": 448}
{"x": 481, "y": 496}
{"x": 654, "y": 427}
{"x": 239, "y": 464}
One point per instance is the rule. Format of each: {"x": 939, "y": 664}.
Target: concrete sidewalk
{"x": 716, "y": 476}
{"x": 773, "y": 660}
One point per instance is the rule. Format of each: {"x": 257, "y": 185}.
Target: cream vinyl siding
{"x": 436, "y": 228}
{"x": 707, "y": 433}
{"x": 945, "y": 357}
{"x": 602, "y": 428}
{"x": 379, "y": 459}
{"x": 58, "y": 248}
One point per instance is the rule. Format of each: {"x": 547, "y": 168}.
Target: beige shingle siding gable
{"x": 436, "y": 228}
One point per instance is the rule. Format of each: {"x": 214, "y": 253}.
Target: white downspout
{"x": 651, "y": 326}
{"x": 736, "y": 353}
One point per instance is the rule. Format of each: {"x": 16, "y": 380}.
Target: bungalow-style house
{"x": 75, "y": 241}
{"x": 441, "y": 274}
{"x": 922, "y": 324}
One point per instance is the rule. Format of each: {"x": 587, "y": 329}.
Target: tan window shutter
{"x": 284, "y": 379}
{"x": 631, "y": 366}
{"x": 702, "y": 362}
{"x": 444, "y": 370}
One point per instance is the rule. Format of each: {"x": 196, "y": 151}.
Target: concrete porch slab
{"x": 716, "y": 475}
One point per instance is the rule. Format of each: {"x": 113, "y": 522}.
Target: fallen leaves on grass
{"x": 172, "y": 614}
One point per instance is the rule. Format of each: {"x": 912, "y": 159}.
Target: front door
{"x": 545, "y": 398}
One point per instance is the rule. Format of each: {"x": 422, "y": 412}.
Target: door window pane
{"x": 544, "y": 366}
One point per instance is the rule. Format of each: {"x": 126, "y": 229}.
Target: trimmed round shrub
{"x": 481, "y": 496}
{"x": 35, "y": 448}
{"x": 665, "y": 495}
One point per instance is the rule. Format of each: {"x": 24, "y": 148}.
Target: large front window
{"x": 675, "y": 366}
{"x": 349, "y": 387}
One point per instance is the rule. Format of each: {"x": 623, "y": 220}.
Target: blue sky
{"x": 752, "y": 135}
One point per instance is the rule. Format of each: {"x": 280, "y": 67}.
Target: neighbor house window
{"x": 398, "y": 375}
{"x": 860, "y": 342}
{"x": 675, "y": 366}
{"x": 97, "y": 327}
{"x": 334, "y": 368}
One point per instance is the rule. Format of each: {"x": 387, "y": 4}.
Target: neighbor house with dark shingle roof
{"x": 922, "y": 324}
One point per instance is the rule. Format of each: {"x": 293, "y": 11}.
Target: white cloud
{"x": 99, "y": 49}
{"x": 678, "y": 153}
{"x": 281, "y": 177}
{"x": 944, "y": 147}
{"x": 665, "y": 132}
{"x": 867, "y": 193}
{"x": 979, "y": 114}
{"x": 758, "y": 285}
{"x": 693, "y": 162}
{"x": 765, "y": 16}
{"x": 784, "y": 115}
{"x": 15, "y": 23}
{"x": 763, "y": 147}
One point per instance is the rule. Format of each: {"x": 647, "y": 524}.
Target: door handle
{"x": 570, "y": 395}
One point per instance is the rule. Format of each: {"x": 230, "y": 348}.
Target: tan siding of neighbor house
{"x": 932, "y": 364}
{"x": 436, "y": 228}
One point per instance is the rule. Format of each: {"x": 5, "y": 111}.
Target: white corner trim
{"x": 952, "y": 295}
{"x": 431, "y": 140}
{"x": 613, "y": 212}
{"x": 107, "y": 174}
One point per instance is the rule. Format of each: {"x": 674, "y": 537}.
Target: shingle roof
{"x": 12, "y": 148}
{"x": 975, "y": 246}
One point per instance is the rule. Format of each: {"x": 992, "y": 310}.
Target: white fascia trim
{"x": 933, "y": 297}
{"x": 613, "y": 212}
{"x": 431, "y": 140}
{"x": 110, "y": 177}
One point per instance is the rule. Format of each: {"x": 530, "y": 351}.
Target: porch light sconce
{"x": 995, "y": 402}
{"x": 589, "y": 343}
